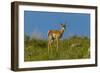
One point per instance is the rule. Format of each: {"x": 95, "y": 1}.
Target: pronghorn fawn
{"x": 54, "y": 36}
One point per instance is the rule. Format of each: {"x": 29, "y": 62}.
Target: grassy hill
{"x": 72, "y": 48}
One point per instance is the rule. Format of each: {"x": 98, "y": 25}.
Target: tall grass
{"x": 72, "y": 48}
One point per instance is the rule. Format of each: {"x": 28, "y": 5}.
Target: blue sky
{"x": 38, "y": 23}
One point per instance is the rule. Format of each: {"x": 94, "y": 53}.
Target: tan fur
{"x": 54, "y": 35}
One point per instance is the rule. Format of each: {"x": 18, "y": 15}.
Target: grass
{"x": 72, "y": 48}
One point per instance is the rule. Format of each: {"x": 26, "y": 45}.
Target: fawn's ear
{"x": 61, "y": 25}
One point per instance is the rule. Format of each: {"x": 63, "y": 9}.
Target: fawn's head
{"x": 63, "y": 26}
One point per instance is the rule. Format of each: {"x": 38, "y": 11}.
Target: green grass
{"x": 72, "y": 48}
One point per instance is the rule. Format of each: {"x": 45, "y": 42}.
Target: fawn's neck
{"x": 61, "y": 31}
